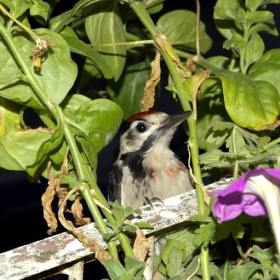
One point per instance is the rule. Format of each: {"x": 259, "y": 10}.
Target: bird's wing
{"x": 114, "y": 186}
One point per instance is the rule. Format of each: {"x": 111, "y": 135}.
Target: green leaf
{"x": 264, "y": 256}
{"x": 250, "y": 104}
{"x": 57, "y": 23}
{"x": 89, "y": 149}
{"x": 10, "y": 121}
{"x": 233, "y": 227}
{"x": 253, "y": 4}
{"x": 114, "y": 269}
{"x": 178, "y": 26}
{"x": 175, "y": 259}
{"x": 45, "y": 148}
{"x": 88, "y": 73}
{"x": 263, "y": 27}
{"x": 134, "y": 267}
{"x": 204, "y": 234}
{"x": 40, "y": 8}
{"x": 56, "y": 76}
{"x": 259, "y": 16}
{"x": 21, "y": 148}
{"x": 121, "y": 213}
{"x": 108, "y": 236}
{"x": 214, "y": 159}
{"x": 186, "y": 236}
{"x": 19, "y": 7}
{"x": 200, "y": 218}
{"x": 171, "y": 243}
{"x": 144, "y": 225}
{"x": 243, "y": 272}
{"x": 99, "y": 119}
{"x": 79, "y": 47}
{"x": 128, "y": 228}
{"x": 225, "y": 25}
{"x": 211, "y": 110}
{"x": 129, "y": 90}
{"x": 254, "y": 49}
{"x": 267, "y": 69}
{"x": 106, "y": 15}
{"x": 213, "y": 270}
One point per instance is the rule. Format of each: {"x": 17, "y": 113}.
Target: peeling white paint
{"x": 63, "y": 248}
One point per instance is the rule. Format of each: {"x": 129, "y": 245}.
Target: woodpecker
{"x": 146, "y": 167}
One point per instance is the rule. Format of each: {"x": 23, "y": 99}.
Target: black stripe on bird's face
{"x": 134, "y": 160}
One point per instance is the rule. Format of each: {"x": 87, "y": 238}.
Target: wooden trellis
{"x": 63, "y": 253}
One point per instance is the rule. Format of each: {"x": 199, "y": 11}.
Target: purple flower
{"x": 256, "y": 193}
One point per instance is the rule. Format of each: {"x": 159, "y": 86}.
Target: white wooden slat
{"x": 57, "y": 253}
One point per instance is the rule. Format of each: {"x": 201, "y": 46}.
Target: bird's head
{"x": 145, "y": 130}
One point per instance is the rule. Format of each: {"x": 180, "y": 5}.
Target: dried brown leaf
{"x": 149, "y": 94}
{"x": 166, "y": 47}
{"x": 141, "y": 244}
{"x": 191, "y": 66}
{"x": 100, "y": 253}
{"x": 77, "y": 211}
{"x": 53, "y": 188}
{"x": 200, "y": 78}
{"x": 42, "y": 45}
{"x": 47, "y": 199}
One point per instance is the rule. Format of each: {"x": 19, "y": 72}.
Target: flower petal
{"x": 231, "y": 206}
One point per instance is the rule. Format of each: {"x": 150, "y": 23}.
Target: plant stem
{"x": 28, "y": 30}
{"x": 129, "y": 43}
{"x": 57, "y": 113}
{"x": 269, "y": 145}
{"x": 227, "y": 259}
{"x": 193, "y": 140}
{"x": 239, "y": 249}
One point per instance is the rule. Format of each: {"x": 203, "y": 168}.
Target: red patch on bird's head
{"x": 141, "y": 115}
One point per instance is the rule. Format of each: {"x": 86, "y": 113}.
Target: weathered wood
{"x": 59, "y": 252}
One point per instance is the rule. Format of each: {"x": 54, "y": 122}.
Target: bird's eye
{"x": 141, "y": 127}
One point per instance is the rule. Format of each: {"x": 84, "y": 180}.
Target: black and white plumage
{"x": 146, "y": 167}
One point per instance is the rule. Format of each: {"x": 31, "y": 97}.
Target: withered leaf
{"x": 47, "y": 199}
{"x": 166, "y": 47}
{"x": 41, "y": 46}
{"x": 141, "y": 244}
{"x": 77, "y": 212}
{"x": 149, "y": 94}
{"x": 100, "y": 253}
{"x": 190, "y": 64}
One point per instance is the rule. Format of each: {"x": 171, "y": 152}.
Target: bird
{"x": 146, "y": 167}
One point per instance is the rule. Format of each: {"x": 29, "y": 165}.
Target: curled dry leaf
{"x": 77, "y": 211}
{"x": 100, "y": 253}
{"x": 47, "y": 199}
{"x": 53, "y": 188}
{"x": 42, "y": 45}
{"x": 166, "y": 47}
{"x": 141, "y": 244}
{"x": 190, "y": 64}
{"x": 149, "y": 94}
{"x": 200, "y": 78}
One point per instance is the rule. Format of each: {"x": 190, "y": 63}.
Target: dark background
{"x": 21, "y": 216}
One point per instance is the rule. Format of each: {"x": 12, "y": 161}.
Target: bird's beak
{"x": 174, "y": 120}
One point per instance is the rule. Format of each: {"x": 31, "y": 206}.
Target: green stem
{"x": 236, "y": 170}
{"x": 57, "y": 113}
{"x": 239, "y": 249}
{"x": 198, "y": 59}
{"x": 128, "y": 43}
{"x": 28, "y": 30}
{"x": 193, "y": 140}
{"x": 227, "y": 259}
{"x": 183, "y": 54}
{"x": 269, "y": 145}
